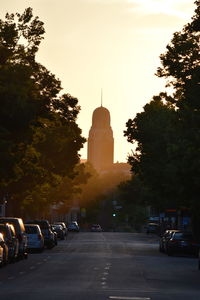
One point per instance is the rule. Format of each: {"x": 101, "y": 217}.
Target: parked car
{"x": 73, "y": 226}
{"x": 35, "y": 237}
{"x": 96, "y": 228}
{"x": 59, "y": 230}
{"x": 64, "y": 227}
{"x": 20, "y": 232}
{"x": 3, "y": 251}
{"x": 55, "y": 236}
{"x": 152, "y": 228}
{"x": 11, "y": 240}
{"x": 182, "y": 242}
{"x": 165, "y": 238}
{"x": 49, "y": 237}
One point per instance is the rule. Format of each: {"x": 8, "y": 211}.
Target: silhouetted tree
{"x": 167, "y": 159}
{"x": 39, "y": 136}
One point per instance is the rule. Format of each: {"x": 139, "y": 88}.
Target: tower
{"x": 100, "y": 140}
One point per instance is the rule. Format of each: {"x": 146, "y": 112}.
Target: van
{"x": 20, "y": 233}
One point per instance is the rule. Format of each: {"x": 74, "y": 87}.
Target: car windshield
{"x": 31, "y": 229}
{"x": 181, "y": 236}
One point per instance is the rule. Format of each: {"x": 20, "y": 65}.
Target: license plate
{"x": 183, "y": 243}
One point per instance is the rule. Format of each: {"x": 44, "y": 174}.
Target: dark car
{"x": 152, "y": 228}
{"x": 49, "y": 237}
{"x": 73, "y": 226}
{"x": 182, "y": 242}
{"x": 165, "y": 238}
{"x": 11, "y": 240}
{"x": 20, "y": 233}
{"x": 65, "y": 229}
{"x": 59, "y": 230}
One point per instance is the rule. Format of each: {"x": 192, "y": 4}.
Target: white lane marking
{"x": 22, "y": 272}
{"x": 39, "y": 263}
{"x": 32, "y": 267}
{"x": 128, "y": 298}
{"x": 103, "y": 282}
{"x": 105, "y": 273}
{"x": 107, "y": 268}
{"x": 103, "y": 278}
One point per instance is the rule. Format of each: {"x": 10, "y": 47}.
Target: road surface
{"x": 102, "y": 266}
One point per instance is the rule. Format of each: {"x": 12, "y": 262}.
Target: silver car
{"x": 35, "y": 237}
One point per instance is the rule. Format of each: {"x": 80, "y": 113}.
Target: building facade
{"x": 100, "y": 141}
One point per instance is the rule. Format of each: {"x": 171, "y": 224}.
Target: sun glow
{"x": 170, "y": 7}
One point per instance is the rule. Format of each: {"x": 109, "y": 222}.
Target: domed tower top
{"x": 100, "y": 140}
{"x": 101, "y": 118}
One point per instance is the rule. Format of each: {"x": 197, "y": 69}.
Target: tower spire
{"x": 101, "y": 97}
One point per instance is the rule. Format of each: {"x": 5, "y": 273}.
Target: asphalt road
{"x": 102, "y": 266}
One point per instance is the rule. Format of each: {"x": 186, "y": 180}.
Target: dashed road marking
{"x": 128, "y": 298}
{"x": 22, "y": 273}
{"x": 105, "y": 273}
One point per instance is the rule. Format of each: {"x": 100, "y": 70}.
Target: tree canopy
{"x": 39, "y": 136}
{"x": 167, "y": 132}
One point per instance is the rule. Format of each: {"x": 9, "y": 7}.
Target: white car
{"x": 96, "y": 228}
{"x": 35, "y": 237}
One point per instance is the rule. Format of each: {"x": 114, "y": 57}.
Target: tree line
{"x": 166, "y": 162}
{"x": 39, "y": 135}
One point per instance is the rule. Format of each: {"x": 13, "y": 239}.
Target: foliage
{"x": 167, "y": 158}
{"x": 39, "y": 136}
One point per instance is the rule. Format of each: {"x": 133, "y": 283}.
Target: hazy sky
{"x": 110, "y": 44}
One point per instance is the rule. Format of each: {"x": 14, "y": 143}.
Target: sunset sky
{"x": 110, "y": 44}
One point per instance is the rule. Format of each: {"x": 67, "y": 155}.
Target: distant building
{"x": 100, "y": 140}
